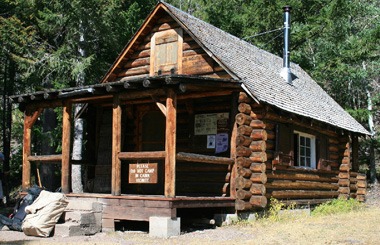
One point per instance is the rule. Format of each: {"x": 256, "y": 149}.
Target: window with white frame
{"x": 305, "y": 152}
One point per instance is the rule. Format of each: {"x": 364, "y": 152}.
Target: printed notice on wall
{"x": 221, "y": 142}
{"x": 207, "y": 124}
{"x": 143, "y": 173}
{"x": 211, "y": 141}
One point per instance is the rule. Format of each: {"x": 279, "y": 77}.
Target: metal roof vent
{"x": 285, "y": 71}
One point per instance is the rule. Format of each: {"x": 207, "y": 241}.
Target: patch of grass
{"x": 337, "y": 206}
{"x": 278, "y": 210}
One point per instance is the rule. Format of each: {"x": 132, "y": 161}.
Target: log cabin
{"x": 191, "y": 117}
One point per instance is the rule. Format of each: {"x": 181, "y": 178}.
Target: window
{"x": 304, "y": 150}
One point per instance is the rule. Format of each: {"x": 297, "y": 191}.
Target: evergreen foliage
{"x": 336, "y": 41}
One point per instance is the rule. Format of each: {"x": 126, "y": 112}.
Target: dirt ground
{"x": 361, "y": 227}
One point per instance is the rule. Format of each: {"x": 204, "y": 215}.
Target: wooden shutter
{"x": 166, "y": 52}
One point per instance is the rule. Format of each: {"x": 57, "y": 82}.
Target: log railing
{"x": 191, "y": 157}
{"x": 45, "y": 158}
{"x": 180, "y": 156}
{"x": 142, "y": 155}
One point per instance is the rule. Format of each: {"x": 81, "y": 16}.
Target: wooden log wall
{"x": 195, "y": 61}
{"x": 257, "y": 144}
{"x": 251, "y": 143}
{"x": 334, "y": 152}
{"x": 344, "y": 171}
{"x": 358, "y": 186}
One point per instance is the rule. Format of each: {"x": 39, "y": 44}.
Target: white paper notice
{"x": 205, "y": 124}
{"x": 210, "y": 141}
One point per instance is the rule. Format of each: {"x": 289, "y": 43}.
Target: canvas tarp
{"x": 44, "y": 213}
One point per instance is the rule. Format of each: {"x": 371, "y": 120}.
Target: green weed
{"x": 337, "y": 206}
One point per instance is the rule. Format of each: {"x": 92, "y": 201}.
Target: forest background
{"x": 48, "y": 44}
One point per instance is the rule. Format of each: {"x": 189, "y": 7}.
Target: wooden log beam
{"x": 258, "y": 146}
{"x": 361, "y": 191}
{"x": 258, "y": 157}
{"x": 245, "y": 172}
{"x": 191, "y": 157}
{"x": 258, "y": 201}
{"x": 243, "y": 162}
{"x": 344, "y": 167}
{"x": 344, "y": 190}
{"x": 30, "y": 118}
{"x": 259, "y": 134}
{"x": 344, "y": 175}
{"x": 257, "y": 124}
{"x": 259, "y": 178}
{"x": 257, "y": 189}
{"x": 242, "y": 151}
{"x": 361, "y": 184}
{"x": 66, "y": 133}
{"x": 299, "y": 194}
{"x": 116, "y": 146}
{"x": 170, "y": 143}
{"x": 344, "y": 182}
{"x": 142, "y": 155}
{"x": 242, "y": 140}
{"x": 244, "y": 98}
{"x": 242, "y": 205}
{"x": 233, "y": 168}
{"x": 242, "y": 182}
{"x": 258, "y": 167}
{"x": 300, "y": 185}
{"x": 244, "y": 108}
{"x": 301, "y": 176}
{"x": 46, "y": 158}
{"x": 243, "y": 194}
{"x": 243, "y": 119}
{"x": 244, "y": 130}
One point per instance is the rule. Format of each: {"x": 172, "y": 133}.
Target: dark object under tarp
{"x": 15, "y": 220}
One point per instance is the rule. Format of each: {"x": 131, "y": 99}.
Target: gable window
{"x": 304, "y": 150}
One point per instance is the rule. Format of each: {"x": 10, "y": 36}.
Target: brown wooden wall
{"x": 263, "y": 133}
{"x": 193, "y": 60}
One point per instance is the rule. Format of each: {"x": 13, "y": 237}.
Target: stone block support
{"x": 164, "y": 227}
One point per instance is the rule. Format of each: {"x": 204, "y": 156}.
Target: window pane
{"x": 308, "y": 152}
{"x": 307, "y": 142}
{"x": 302, "y": 151}
{"x": 302, "y": 140}
{"x": 302, "y": 163}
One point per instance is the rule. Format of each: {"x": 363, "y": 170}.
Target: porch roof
{"x": 183, "y": 83}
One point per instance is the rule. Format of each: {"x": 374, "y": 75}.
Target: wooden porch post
{"x": 66, "y": 132}
{"x": 116, "y": 146}
{"x": 29, "y": 119}
{"x": 170, "y": 143}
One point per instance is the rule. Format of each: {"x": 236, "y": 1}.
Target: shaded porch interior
{"x": 157, "y": 126}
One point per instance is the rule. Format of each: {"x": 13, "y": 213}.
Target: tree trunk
{"x": 76, "y": 169}
{"x": 372, "y": 154}
{"x": 9, "y": 75}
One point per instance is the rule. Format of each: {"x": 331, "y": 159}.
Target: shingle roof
{"x": 259, "y": 70}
